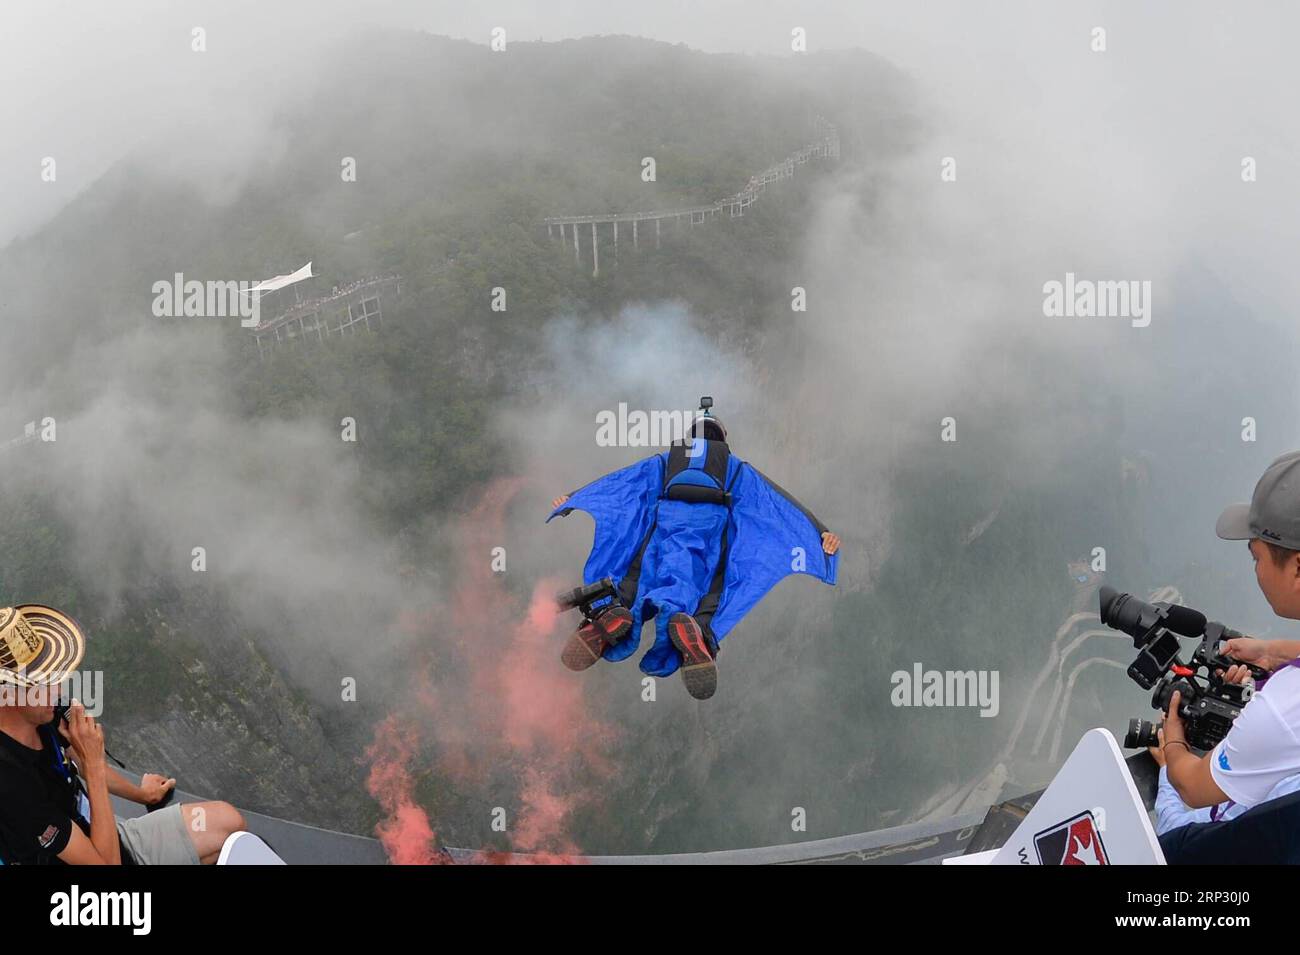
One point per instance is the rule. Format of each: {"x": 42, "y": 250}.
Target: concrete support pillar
{"x": 616, "y": 242}
{"x": 577, "y": 256}
{"x": 595, "y": 253}
{"x": 550, "y": 234}
{"x": 657, "y": 221}
{"x": 634, "y": 245}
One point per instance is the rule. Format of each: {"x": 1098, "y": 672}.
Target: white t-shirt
{"x": 1263, "y": 746}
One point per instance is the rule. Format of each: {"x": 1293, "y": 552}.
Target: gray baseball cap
{"x": 1273, "y": 513}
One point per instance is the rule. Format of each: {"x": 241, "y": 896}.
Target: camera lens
{"x": 1141, "y": 734}
{"x": 1121, "y": 611}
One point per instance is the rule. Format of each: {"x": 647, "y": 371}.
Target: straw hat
{"x": 38, "y": 645}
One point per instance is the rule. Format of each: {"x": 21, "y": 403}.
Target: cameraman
{"x": 1259, "y": 759}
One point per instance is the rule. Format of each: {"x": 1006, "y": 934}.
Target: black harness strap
{"x": 708, "y": 605}
{"x": 627, "y": 587}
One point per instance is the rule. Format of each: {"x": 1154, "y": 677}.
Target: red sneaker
{"x": 588, "y": 645}
{"x": 699, "y": 672}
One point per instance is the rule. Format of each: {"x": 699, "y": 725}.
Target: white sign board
{"x": 1091, "y": 814}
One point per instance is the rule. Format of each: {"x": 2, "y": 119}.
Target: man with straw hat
{"x": 54, "y": 779}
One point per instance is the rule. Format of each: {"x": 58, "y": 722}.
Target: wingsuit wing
{"x": 770, "y": 536}
{"x": 622, "y": 504}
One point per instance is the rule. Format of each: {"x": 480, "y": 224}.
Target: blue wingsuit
{"x": 714, "y": 561}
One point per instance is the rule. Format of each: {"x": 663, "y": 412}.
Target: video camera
{"x": 1208, "y": 703}
{"x": 586, "y": 597}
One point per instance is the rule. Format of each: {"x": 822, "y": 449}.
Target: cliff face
{"x": 224, "y": 718}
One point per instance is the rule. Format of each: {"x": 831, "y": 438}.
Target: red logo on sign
{"x": 1073, "y": 842}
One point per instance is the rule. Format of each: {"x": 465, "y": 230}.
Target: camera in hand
{"x": 1208, "y": 703}
{"x": 586, "y": 597}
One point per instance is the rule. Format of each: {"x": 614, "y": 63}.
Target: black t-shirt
{"x": 38, "y": 802}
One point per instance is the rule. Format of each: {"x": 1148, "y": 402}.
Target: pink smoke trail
{"x": 510, "y": 703}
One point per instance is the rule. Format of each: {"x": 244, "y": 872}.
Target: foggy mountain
{"x": 329, "y": 561}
